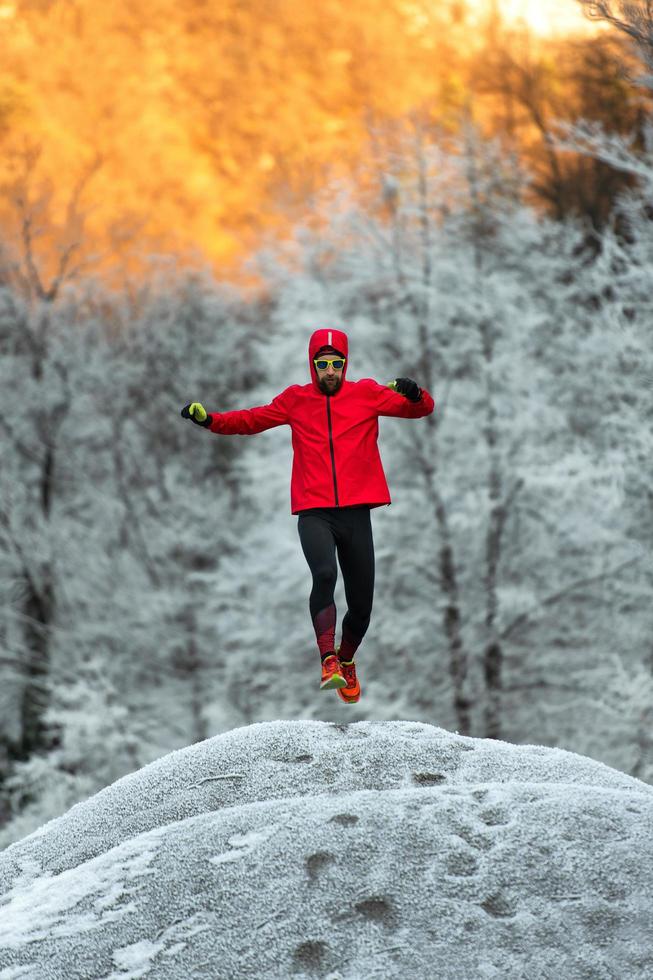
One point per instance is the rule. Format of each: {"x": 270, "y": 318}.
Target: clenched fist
{"x": 196, "y": 413}
{"x": 408, "y": 388}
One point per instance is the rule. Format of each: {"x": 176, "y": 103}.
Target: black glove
{"x": 197, "y": 414}
{"x": 409, "y": 389}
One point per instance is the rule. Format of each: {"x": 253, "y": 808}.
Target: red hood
{"x": 322, "y": 338}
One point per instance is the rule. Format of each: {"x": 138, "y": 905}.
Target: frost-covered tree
{"x": 36, "y": 386}
{"x": 142, "y": 511}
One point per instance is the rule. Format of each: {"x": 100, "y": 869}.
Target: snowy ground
{"x": 369, "y": 850}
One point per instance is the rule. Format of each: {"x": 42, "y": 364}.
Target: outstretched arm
{"x": 245, "y": 422}
{"x": 249, "y": 421}
{"x": 402, "y": 398}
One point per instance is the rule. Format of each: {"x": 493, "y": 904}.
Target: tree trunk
{"x": 492, "y": 665}
{"x": 457, "y": 655}
{"x": 36, "y": 692}
{"x": 448, "y": 581}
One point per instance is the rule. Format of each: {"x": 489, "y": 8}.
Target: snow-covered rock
{"x": 310, "y": 849}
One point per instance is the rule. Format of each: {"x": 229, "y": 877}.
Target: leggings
{"x": 322, "y": 530}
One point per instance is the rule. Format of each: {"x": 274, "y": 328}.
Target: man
{"x": 337, "y": 477}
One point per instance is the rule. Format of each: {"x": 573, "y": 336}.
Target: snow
{"x": 306, "y": 849}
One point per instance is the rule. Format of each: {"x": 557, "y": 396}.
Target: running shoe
{"x": 351, "y": 691}
{"x": 331, "y": 673}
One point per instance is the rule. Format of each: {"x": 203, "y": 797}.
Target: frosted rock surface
{"x": 308, "y": 849}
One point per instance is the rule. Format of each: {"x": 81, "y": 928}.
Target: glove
{"x": 196, "y": 413}
{"x": 409, "y": 389}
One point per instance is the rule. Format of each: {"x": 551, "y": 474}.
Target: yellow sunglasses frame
{"x": 316, "y": 359}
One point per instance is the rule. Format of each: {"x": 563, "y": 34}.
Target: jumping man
{"x": 337, "y": 477}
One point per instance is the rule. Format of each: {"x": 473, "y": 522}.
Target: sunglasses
{"x": 323, "y": 363}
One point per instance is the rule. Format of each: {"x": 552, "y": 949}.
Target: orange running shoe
{"x": 331, "y": 673}
{"x": 351, "y": 692}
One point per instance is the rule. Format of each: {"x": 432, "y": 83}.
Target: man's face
{"x": 328, "y": 378}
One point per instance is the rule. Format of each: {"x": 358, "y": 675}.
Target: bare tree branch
{"x": 551, "y": 600}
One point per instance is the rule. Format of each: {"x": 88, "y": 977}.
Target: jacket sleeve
{"x": 249, "y": 421}
{"x": 389, "y": 402}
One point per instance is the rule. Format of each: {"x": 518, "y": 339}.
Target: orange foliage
{"x": 190, "y": 128}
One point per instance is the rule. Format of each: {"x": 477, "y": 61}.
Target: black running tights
{"x": 347, "y": 530}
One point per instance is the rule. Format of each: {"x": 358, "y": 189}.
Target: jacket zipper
{"x": 333, "y": 459}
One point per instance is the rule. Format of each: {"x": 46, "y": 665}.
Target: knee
{"x": 324, "y": 576}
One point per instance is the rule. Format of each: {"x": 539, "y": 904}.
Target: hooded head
{"x": 321, "y": 342}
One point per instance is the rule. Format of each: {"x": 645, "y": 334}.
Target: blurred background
{"x": 187, "y": 191}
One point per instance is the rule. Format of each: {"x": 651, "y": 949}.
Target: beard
{"x": 329, "y": 389}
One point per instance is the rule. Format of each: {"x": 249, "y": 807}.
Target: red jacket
{"x": 336, "y": 457}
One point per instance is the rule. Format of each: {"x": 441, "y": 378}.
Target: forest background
{"x": 186, "y": 193}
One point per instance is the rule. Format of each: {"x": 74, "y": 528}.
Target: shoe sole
{"x": 336, "y": 681}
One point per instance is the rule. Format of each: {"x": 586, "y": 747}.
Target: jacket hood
{"x": 327, "y": 338}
